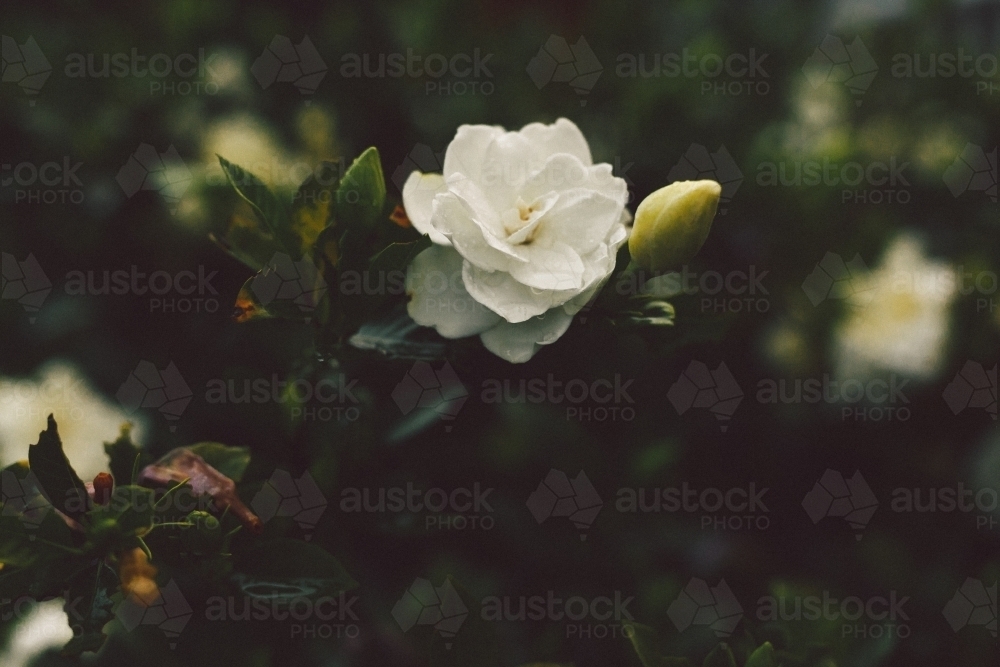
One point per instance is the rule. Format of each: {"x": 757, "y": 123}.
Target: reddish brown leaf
{"x": 182, "y": 464}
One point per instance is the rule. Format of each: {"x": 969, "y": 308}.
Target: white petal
{"x": 514, "y": 301}
{"x": 508, "y": 161}
{"x": 554, "y": 266}
{"x": 517, "y": 343}
{"x": 563, "y": 136}
{"x": 473, "y": 238}
{"x": 438, "y": 297}
{"x": 466, "y": 152}
{"x": 561, "y": 172}
{"x": 581, "y": 219}
{"x": 418, "y": 200}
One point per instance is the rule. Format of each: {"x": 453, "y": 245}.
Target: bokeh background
{"x": 924, "y": 307}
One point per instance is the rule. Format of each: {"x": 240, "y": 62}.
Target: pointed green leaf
{"x": 361, "y": 195}
{"x": 397, "y": 336}
{"x": 271, "y": 210}
{"x": 397, "y": 256}
{"x": 720, "y": 656}
{"x": 646, "y": 644}
{"x": 59, "y": 482}
{"x": 250, "y": 246}
{"x": 312, "y": 207}
{"x": 763, "y": 656}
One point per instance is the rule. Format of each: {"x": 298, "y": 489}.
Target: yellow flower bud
{"x": 672, "y": 224}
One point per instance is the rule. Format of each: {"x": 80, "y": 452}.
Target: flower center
{"x": 519, "y": 217}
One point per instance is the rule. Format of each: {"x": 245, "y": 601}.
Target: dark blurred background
{"x": 924, "y": 312}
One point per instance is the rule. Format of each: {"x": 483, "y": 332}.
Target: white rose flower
{"x": 526, "y": 230}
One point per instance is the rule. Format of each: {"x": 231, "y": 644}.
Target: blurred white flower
{"x": 45, "y": 626}
{"x": 86, "y": 419}
{"x": 902, "y": 319}
{"x": 526, "y": 229}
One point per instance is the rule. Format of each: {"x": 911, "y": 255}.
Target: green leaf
{"x": 59, "y": 482}
{"x": 133, "y": 506}
{"x": 312, "y": 207}
{"x": 230, "y": 461}
{"x": 397, "y": 256}
{"x": 248, "y": 245}
{"x": 122, "y": 454}
{"x": 271, "y": 210}
{"x": 763, "y": 656}
{"x": 646, "y": 642}
{"x": 89, "y": 607}
{"x": 361, "y": 196}
{"x": 16, "y": 582}
{"x": 249, "y": 306}
{"x": 15, "y": 546}
{"x": 397, "y": 336}
{"x": 720, "y": 656}
{"x": 291, "y": 568}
